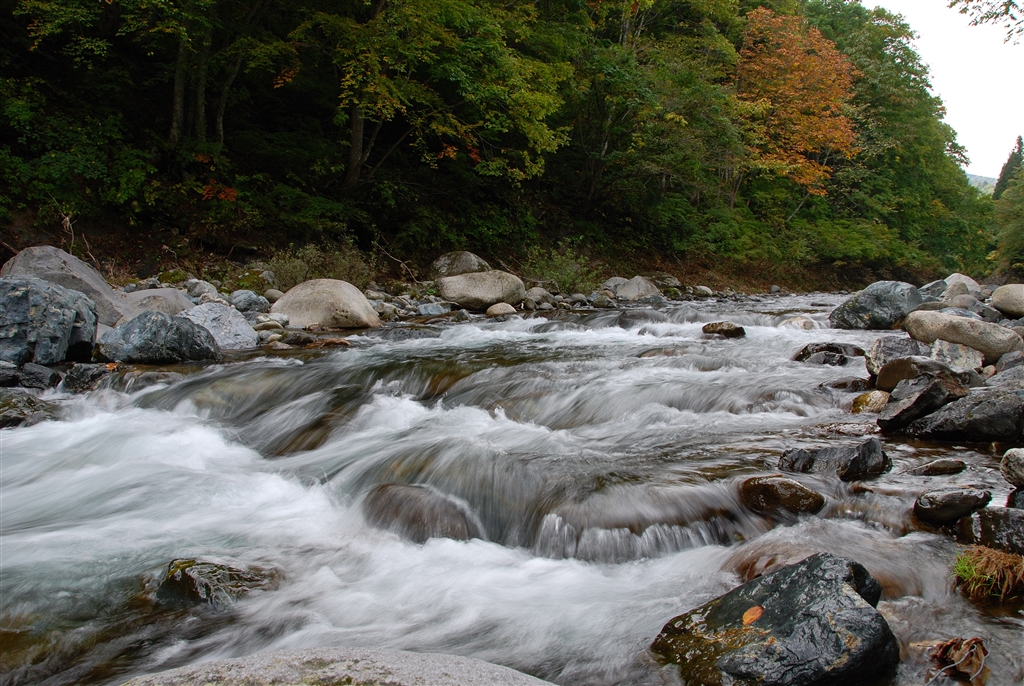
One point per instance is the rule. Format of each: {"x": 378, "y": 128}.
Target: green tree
{"x": 1010, "y": 222}
{"x": 1009, "y": 170}
{"x": 1009, "y": 13}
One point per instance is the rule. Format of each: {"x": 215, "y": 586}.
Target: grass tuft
{"x": 983, "y": 573}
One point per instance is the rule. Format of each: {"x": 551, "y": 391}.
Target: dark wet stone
{"x": 849, "y": 463}
{"x": 830, "y": 359}
{"x": 983, "y": 416}
{"x": 934, "y": 289}
{"x": 849, "y": 384}
{"x": 158, "y": 338}
{"x": 890, "y": 348}
{"x": 300, "y": 338}
{"x": 135, "y": 380}
{"x": 941, "y": 467}
{"x": 38, "y": 376}
{"x": 9, "y": 374}
{"x": 841, "y": 350}
{"x": 1001, "y": 528}
{"x": 417, "y": 513}
{"x": 947, "y": 505}
{"x": 809, "y": 624}
{"x": 726, "y": 329}
{"x": 915, "y": 398}
{"x": 21, "y": 408}
{"x": 193, "y": 582}
{"x": 895, "y": 371}
{"x": 44, "y": 323}
{"x": 882, "y": 305}
{"x": 1007, "y": 376}
{"x": 404, "y": 333}
{"x": 1014, "y": 358}
{"x": 1016, "y": 498}
{"x": 83, "y": 378}
{"x": 629, "y": 319}
{"x": 769, "y": 494}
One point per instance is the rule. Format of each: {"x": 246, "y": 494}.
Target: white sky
{"x": 976, "y": 74}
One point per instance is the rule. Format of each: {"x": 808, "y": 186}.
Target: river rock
{"x": 636, "y": 288}
{"x": 1012, "y": 376}
{"x": 9, "y": 374}
{"x": 849, "y": 383}
{"x": 702, "y": 292}
{"x": 480, "y": 290}
{"x": 808, "y": 624}
{"x": 798, "y": 322}
{"x": 630, "y": 319}
{"x": 889, "y": 348}
{"x": 828, "y": 353}
{"x": 198, "y": 287}
{"x": 724, "y": 329}
{"x": 947, "y": 505}
{"x": 328, "y": 303}
{"x": 940, "y": 467}
{"x": 44, "y": 323}
{"x": 872, "y": 401}
{"x": 272, "y": 295}
{"x": 1009, "y": 300}
{"x": 1015, "y": 498}
{"x": 228, "y": 326}
{"x": 991, "y": 340}
{"x": 972, "y": 285}
{"x": 193, "y": 582}
{"x": 882, "y": 305}
{"x": 500, "y": 309}
{"x": 456, "y": 263}
{"x": 934, "y": 289}
{"x": 540, "y": 295}
{"x": 37, "y": 376}
{"x": 848, "y": 462}
{"x": 1012, "y": 466}
{"x": 1010, "y": 360}
{"x": 1001, "y": 528}
{"x": 248, "y": 301}
{"x": 665, "y": 280}
{"x": 167, "y": 300}
{"x": 418, "y": 513}
{"x": 770, "y": 494}
{"x": 954, "y": 290}
{"x": 983, "y": 416}
{"x": 905, "y": 368}
{"x": 83, "y": 378}
{"x": 158, "y": 338}
{"x": 956, "y": 356}
{"x": 917, "y": 397}
{"x": 613, "y": 284}
{"x": 335, "y": 666}
{"x": 21, "y": 408}
{"x": 602, "y": 301}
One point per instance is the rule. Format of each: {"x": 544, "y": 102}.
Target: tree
{"x": 1009, "y": 170}
{"x": 1010, "y": 222}
{"x": 1009, "y": 13}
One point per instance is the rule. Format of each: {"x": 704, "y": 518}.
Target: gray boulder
{"x": 889, "y": 348}
{"x": 635, "y": 289}
{"x": 847, "y": 462}
{"x": 158, "y": 338}
{"x": 915, "y": 398}
{"x": 973, "y": 287}
{"x": 167, "y": 300}
{"x": 1010, "y": 360}
{"x": 329, "y": 666}
{"x": 457, "y": 262}
{"x": 198, "y": 287}
{"x": 981, "y": 417}
{"x": 328, "y": 303}
{"x": 882, "y": 305}
{"x": 248, "y": 301}
{"x": 1012, "y": 466}
{"x": 9, "y": 374}
{"x": 44, "y": 323}
{"x": 933, "y": 289}
{"x": 480, "y": 290}
{"x": 947, "y": 505}
{"x": 37, "y": 376}
{"x": 227, "y": 325}
{"x": 1009, "y": 300}
{"x": 1001, "y": 528}
{"x": 904, "y": 368}
{"x": 956, "y": 355}
{"x": 991, "y": 340}
{"x": 21, "y": 408}
{"x": 540, "y": 295}
{"x": 613, "y": 283}
{"x": 809, "y": 624}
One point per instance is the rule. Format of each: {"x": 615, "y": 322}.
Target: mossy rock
{"x": 193, "y": 582}
{"x": 18, "y": 408}
{"x": 172, "y": 276}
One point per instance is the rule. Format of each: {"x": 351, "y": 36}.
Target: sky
{"x": 975, "y": 73}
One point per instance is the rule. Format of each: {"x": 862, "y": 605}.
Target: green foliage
{"x": 341, "y": 261}
{"x": 1010, "y": 169}
{"x": 1009, "y": 212}
{"x": 568, "y": 268}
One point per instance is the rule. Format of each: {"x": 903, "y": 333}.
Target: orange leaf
{"x": 752, "y": 615}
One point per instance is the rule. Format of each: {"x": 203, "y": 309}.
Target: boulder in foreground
{"x": 480, "y": 290}
{"x": 327, "y": 303}
{"x": 158, "y": 338}
{"x": 44, "y": 323}
{"x": 355, "y": 666}
{"x": 882, "y": 305}
{"x": 808, "y": 624}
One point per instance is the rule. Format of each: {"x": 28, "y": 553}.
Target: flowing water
{"x": 597, "y": 455}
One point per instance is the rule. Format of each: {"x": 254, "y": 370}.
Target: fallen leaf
{"x": 752, "y": 615}
{"x": 960, "y": 657}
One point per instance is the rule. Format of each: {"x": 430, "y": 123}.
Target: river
{"x": 600, "y": 462}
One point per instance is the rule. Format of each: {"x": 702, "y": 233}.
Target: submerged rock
{"x": 882, "y": 305}
{"x": 417, "y": 513}
{"x": 770, "y": 494}
{"x": 724, "y": 329}
{"x": 809, "y": 624}
{"x": 848, "y": 462}
{"x": 21, "y": 408}
{"x": 191, "y": 582}
{"x": 158, "y": 338}
{"x": 947, "y": 505}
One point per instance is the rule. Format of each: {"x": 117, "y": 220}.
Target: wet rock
{"x": 848, "y": 462}
{"x": 83, "y": 378}
{"x": 417, "y": 513}
{"x": 882, "y": 305}
{"x": 798, "y": 322}
{"x": 848, "y": 383}
{"x": 298, "y": 338}
{"x": 1015, "y": 498}
{"x": 456, "y": 263}
{"x": 1012, "y": 467}
{"x": 872, "y": 401}
{"x": 193, "y": 582}
{"x": 992, "y": 340}
{"x": 770, "y": 494}
{"x": 636, "y": 288}
{"x": 665, "y": 280}
{"x": 461, "y": 316}
{"x": 725, "y": 329}
{"x": 227, "y": 325}
{"x": 21, "y": 408}
{"x": 500, "y": 309}
{"x": 603, "y": 302}
{"x": 809, "y": 624}
{"x": 630, "y": 319}
{"x": 9, "y": 374}
{"x": 941, "y": 467}
{"x": 901, "y": 369}
{"x": 44, "y": 323}
{"x": 946, "y": 506}
{"x": 1001, "y": 528}
{"x": 917, "y": 397}
{"x": 933, "y": 289}
{"x": 889, "y": 348}
{"x": 1009, "y": 300}
{"x": 158, "y": 338}
{"x": 328, "y": 303}
{"x": 983, "y": 416}
{"x": 336, "y": 666}
{"x": 956, "y": 356}
{"x": 480, "y": 290}
{"x": 38, "y": 376}
{"x": 248, "y": 301}
{"x": 837, "y": 350}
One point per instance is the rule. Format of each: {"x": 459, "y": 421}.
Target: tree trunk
{"x": 178, "y": 100}
{"x": 222, "y": 103}
{"x": 355, "y": 150}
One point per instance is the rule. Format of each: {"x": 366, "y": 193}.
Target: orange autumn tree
{"x": 795, "y": 85}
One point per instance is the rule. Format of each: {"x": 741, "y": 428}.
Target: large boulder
{"x": 809, "y": 624}
{"x": 882, "y": 305}
{"x": 418, "y": 513}
{"x": 327, "y": 303}
{"x": 249, "y": 301}
{"x": 904, "y": 368}
{"x": 917, "y": 397}
{"x": 890, "y": 348}
{"x": 228, "y": 326}
{"x": 947, "y": 505}
{"x": 636, "y": 288}
{"x": 981, "y": 417}
{"x": 44, "y": 323}
{"x": 167, "y": 300}
{"x": 991, "y": 340}
{"x": 956, "y": 277}
{"x": 1009, "y": 300}
{"x": 1001, "y": 528}
{"x": 356, "y": 666}
{"x": 1012, "y": 467}
{"x": 480, "y": 290}
{"x": 158, "y": 338}
{"x": 457, "y": 262}
{"x": 847, "y": 462}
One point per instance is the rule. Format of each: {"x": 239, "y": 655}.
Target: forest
{"x": 794, "y": 140}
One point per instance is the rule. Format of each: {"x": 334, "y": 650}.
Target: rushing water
{"x": 598, "y": 454}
